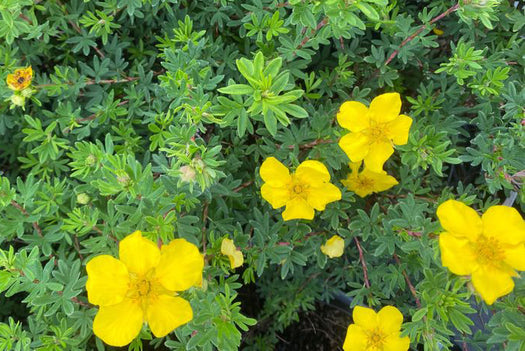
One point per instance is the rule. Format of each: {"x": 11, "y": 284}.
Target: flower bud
{"x": 18, "y": 100}
{"x": 83, "y": 198}
{"x": 187, "y": 174}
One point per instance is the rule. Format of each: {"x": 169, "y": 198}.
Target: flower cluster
{"x": 373, "y": 132}
{"x": 490, "y": 249}
{"x": 20, "y": 83}
{"x": 141, "y": 287}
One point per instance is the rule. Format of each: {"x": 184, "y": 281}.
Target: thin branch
{"x": 92, "y": 82}
{"x": 94, "y": 115}
{"x": 312, "y": 32}
{"x": 409, "y": 283}
{"x": 204, "y": 220}
{"x": 24, "y": 212}
{"x": 363, "y": 263}
{"x": 421, "y": 29}
{"x": 242, "y": 186}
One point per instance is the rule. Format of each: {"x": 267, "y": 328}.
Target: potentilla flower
{"x": 367, "y": 182}
{"x": 301, "y": 192}
{"x": 373, "y": 331}
{"x": 489, "y": 248}
{"x": 20, "y": 79}
{"x": 373, "y": 130}
{"x": 141, "y": 287}
{"x": 333, "y": 247}
{"x": 228, "y": 249}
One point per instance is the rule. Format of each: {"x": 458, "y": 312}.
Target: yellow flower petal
{"x": 381, "y": 180}
{"x": 457, "y": 254}
{"x": 20, "y": 79}
{"x": 298, "y": 208}
{"x": 395, "y": 343}
{"x": 274, "y": 172}
{"x": 334, "y": 247}
{"x": 353, "y": 116}
{"x": 390, "y": 320}
{"x": 515, "y": 256}
{"x": 385, "y": 107}
{"x": 378, "y": 154}
{"x": 312, "y": 172}
{"x": 397, "y": 130}
{"x": 108, "y": 280}
{"x": 180, "y": 266}
{"x": 365, "y": 317}
{"x": 355, "y": 145}
{"x": 228, "y": 248}
{"x": 138, "y": 253}
{"x": 356, "y": 339}
{"x": 165, "y": 313}
{"x": 505, "y": 224}
{"x": 319, "y": 197}
{"x": 492, "y": 283}
{"x": 460, "y": 220}
{"x": 118, "y": 325}
{"x": 276, "y": 196}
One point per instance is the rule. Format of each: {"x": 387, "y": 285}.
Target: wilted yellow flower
{"x": 373, "y": 331}
{"x": 228, "y": 248}
{"x": 489, "y": 248}
{"x": 373, "y": 130}
{"x": 301, "y": 192}
{"x": 141, "y": 287}
{"x": 367, "y": 182}
{"x": 20, "y": 79}
{"x": 333, "y": 247}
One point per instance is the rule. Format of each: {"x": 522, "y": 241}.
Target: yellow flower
{"x": 373, "y": 130}
{"x": 367, "y": 181}
{"x": 228, "y": 248}
{"x": 21, "y": 79}
{"x": 373, "y": 331}
{"x": 489, "y": 248}
{"x": 141, "y": 287}
{"x": 301, "y": 192}
{"x": 333, "y": 247}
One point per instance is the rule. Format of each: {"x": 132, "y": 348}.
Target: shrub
{"x": 326, "y": 159}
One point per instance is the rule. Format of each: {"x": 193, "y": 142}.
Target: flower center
{"x": 143, "y": 287}
{"x": 375, "y": 339}
{"x": 21, "y": 80}
{"x": 376, "y": 132}
{"x": 488, "y": 250}
{"x": 365, "y": 182}
{"x": 297, "y": 189}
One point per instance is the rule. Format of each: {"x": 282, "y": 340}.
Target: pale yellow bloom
{"x": 490, "y": 248}
{"x": 228, "y": 249}
{"x": 373, "y": 130}
{"x": 367, "y": 182}
{"x": 141, "y": 287}
{"x": 373, "y": 331}
{"x": 20, "y": 79}
{"x": 333, "y": 247}
{"x": 307, "y": 189}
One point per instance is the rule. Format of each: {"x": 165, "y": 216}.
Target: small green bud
{"x": 198, "y": 165}
{"x": 91, "y": 160}
{"x": 27, "y": 92}
{"x": 18, "y": 100}
{"x": 83, "y": 198}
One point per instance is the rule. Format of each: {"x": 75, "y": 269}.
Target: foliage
{"x": 156, "y": 115}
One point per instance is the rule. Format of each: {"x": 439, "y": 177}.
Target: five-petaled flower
{"x": 366, "y": 182}
{"x": 141, "y": 287}
{"x": 301, "y": 192}
{"x": 333, "y": 247}
{"x": 228, "y": 248}
{"x": 373, "y": 331}
{"x": 20, "y": 79}
{"x": 373, "y": 130}
{"x": 489, "y": 248}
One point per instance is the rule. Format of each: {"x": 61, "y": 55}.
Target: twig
{"x": 312, "y": 32}
{"x": 94, "y": 115}
{"x": 409, "y": 283}
{"x": 242, "y": 186}
{"x": 92, "y": 82}
{"x": 77, "y": 247}
{"x": 24, "y": 212}
{"x": 362, "y": 260}
{"x": 310, "y": 144}
{"x": 422, "y": 28}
